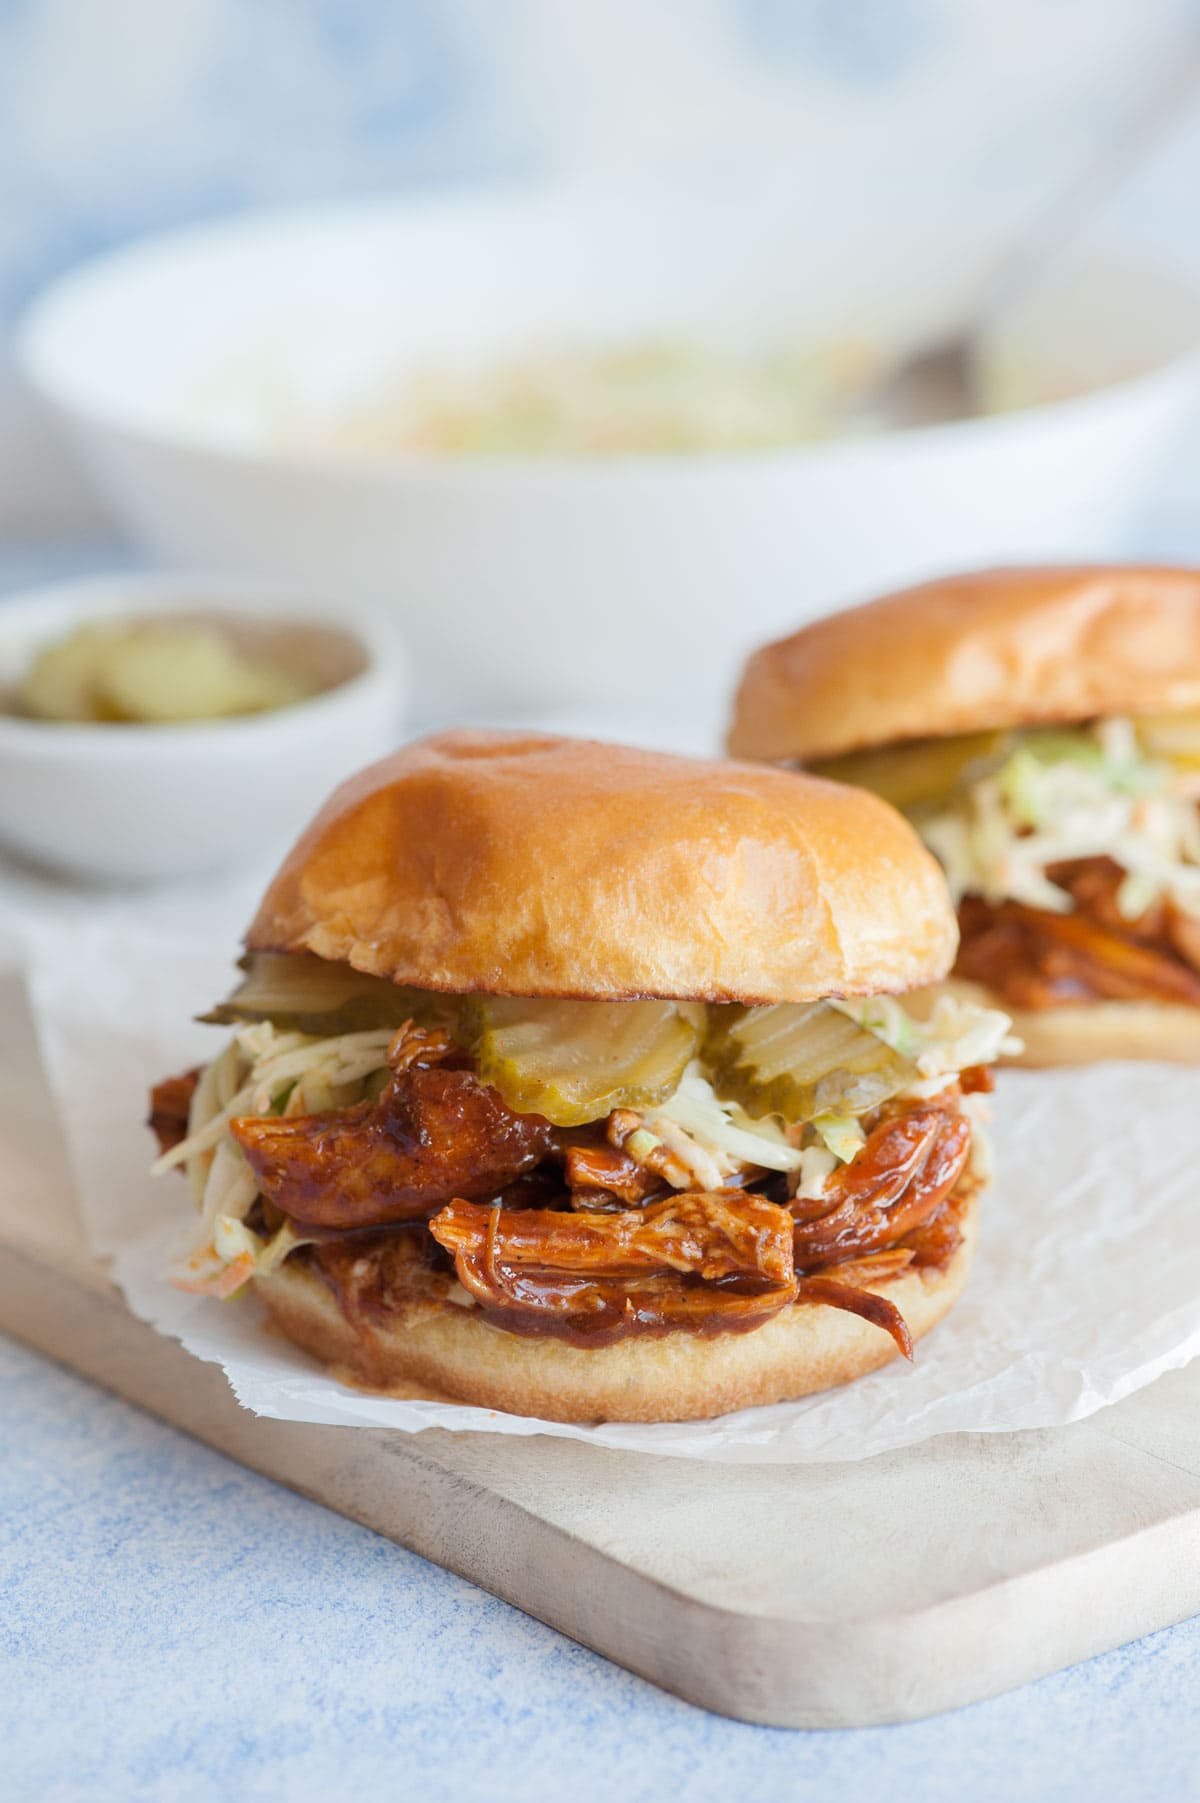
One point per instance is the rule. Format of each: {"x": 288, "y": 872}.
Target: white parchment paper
{"x": 1085, "y": 1288}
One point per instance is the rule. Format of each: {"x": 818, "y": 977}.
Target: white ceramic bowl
{"x": 137, "y": 803}
{"x": 533, "y": 581}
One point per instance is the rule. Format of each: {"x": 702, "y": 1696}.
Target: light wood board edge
{"x": 783, "y": 1672}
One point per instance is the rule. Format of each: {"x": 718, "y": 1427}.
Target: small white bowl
{"x": 132, "y": 803}
{"x": 536, "y": 581}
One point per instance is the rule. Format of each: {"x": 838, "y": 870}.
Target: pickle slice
{"x": 575, "y": 1062}
{"x": 909, "y": 774}
{"x": 1175, "y": 737}
{"x": 801, "y": 1060}
{"x": 305, "y": 994}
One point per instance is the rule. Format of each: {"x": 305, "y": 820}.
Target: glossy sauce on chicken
{"x": 437, "y": 1191}
{"x": 1035, "y": 958}
{"x": 433, "y": 1133}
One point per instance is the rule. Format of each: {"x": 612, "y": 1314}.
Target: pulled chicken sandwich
{"x": 572, "y": 1080}
{"x": 1041, "y": 730}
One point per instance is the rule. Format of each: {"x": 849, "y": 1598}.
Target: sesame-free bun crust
{"x": 448, "y": 1351}
{"x": 521, "y": 864}
{"x": 1092, "y": 1032}
{"x": 1007, "y": 647}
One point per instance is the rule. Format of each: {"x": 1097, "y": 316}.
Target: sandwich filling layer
{"x": 587, "y": 1170}
{"x": 1072, "y": 854}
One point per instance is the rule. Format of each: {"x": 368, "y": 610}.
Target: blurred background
{"x": 575, "y": 342}
{"x": 122, "y": 117}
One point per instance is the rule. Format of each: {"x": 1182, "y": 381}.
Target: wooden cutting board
{"x": 805, "y": 1596}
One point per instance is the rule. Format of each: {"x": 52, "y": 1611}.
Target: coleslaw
{"x": 1082, "y": 792}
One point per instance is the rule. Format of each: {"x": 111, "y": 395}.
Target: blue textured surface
{"x": 173, "y": 1626}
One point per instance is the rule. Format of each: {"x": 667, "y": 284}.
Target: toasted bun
{"x": 1090, "y": 1032}
{"x": 970, "y": 653}
{"x": 449, "y": 1351}
{"x": 518, "y": 864}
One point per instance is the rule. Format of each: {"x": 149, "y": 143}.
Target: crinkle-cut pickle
{"x": 570, "y": 1061}
{"x": 801, "y": 1059}
{"x": 574, "y": 1062}
{"x": 922, "y": 770}
{"x": 305, "y": 994}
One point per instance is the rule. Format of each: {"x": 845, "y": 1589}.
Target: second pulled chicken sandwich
{"x": 571, "y": 1080}
{"x": 1041, "y": 729}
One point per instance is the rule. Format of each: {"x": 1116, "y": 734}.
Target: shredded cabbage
{"x": 818, "y": 1166}
{"x": 1086, "y": 792}
{"x": 722, "y": 1127}
{"x": 260, "y": 1071}
{"x": 840, "y": 1134}
{"x": 644, "y": 395}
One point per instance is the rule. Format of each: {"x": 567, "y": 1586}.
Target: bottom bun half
{"x": 1089, "y": 1032}
{"x": 449, "y": 1352}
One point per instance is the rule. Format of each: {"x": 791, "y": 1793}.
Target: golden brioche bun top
{"x": 1008, "y": 647}
{"x": 520, "y": 864}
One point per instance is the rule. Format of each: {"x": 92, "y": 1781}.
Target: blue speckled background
{"x": 175, "y": 1627}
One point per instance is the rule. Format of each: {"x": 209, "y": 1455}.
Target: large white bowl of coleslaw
{"x": 592, "y": 449}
